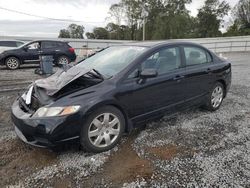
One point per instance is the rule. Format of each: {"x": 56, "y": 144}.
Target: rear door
{"x": 49, "y": 47}
{"x": 199, "y": 71}
{"x": 156, "y": 94}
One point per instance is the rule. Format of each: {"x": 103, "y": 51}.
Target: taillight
{"x": 71, "y": 50}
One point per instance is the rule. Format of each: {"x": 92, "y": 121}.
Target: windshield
{"x": 112, "y": 60}
{"x": 21, "y": 46}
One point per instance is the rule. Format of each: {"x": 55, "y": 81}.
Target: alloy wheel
{"x": 63, "y": 60}
{"x": 12, "y": 63}
{"x": 104, "y": 130}
{"x": 217, "y": 97}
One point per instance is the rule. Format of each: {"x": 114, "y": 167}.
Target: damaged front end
{"x": 38, "y": 116}
{"x": 45, "y": 91}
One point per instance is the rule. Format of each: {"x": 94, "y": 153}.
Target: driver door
{"x": 31, "y": 52}
{"x": 156, "y": 95}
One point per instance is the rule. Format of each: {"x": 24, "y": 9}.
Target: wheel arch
{"x": 224, "y": 85}
{"x": 128, "y": 123}
{"x": 61, "y": 55}
{"x": 8, "y": 56}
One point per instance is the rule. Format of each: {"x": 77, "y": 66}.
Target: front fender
{"x": 110, "y": 102}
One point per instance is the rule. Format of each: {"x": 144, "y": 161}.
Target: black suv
{"x": 62, "y": 53}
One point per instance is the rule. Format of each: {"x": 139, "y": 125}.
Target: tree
{"x": 154, "y": 8}
{"x": 124, "y": 33}
{"x": 241, "y": 25}
{"x": 233, "y": 30}
{"x": 116, "y": 12}
{"x": 76, "y": 31}
{"x": 210, "y": 17}
{"x": 172, "y": 20}
{"x": 243, "y": 13}
{"x": 73, "y": 31}
{"x": 114, "y": 30}
{"x": 90, "y": 35}
{"x": 133, "y": 12}
{"x": 64, "y": 33}
{"x": 101, "y": 33}
{"x": 98, "y": 33}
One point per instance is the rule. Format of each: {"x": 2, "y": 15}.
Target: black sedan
{"x": 62, "y": 53}
{"x": 118, "y": 89}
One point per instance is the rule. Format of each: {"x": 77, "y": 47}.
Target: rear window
{"x": 49, "y": 44}
{"x": 8, "y": 43}
{"x": 196, "y": 56}
{"x": 60, "y": 44}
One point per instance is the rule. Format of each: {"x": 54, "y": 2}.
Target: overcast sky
{"x": 90, "y": 13}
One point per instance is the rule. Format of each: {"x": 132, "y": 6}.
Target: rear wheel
{"x": 12, "y": 63}
{"x": 102, "y": 130}
{"x": 63, "y": 60}
{"x": 216, "y": 96}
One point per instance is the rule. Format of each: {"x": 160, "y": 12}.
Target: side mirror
{"x": 148, "y": 73}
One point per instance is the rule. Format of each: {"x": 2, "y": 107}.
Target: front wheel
{"x": 12, "y": 63}
{"x": 216, "y": 97}
{"x": 102, "y": 130}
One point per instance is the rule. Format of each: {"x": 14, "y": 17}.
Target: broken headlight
{"x": 55, "y": 111}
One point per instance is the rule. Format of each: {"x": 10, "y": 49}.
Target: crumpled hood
{"x": 60, "y": 79}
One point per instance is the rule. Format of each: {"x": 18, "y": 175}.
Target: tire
{"x": 62, "y": 60}
{"x": 12, "y": 63}
{"x": 98, "y": 136}
{"x": 215, "y": 98}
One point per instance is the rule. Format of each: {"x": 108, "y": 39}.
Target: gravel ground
{"x": 195, "y": 148}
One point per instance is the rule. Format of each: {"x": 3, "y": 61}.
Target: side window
{"x": 34, "y": 46}
{"x": 164, "y": 61}
{"x": 196, "y": 56}
{"x": 59, "y": 44}
{"x": 46, "y": 45}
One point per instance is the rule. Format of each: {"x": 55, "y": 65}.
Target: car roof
{"x": 151, "y": 44}
{"x": 47, "y": 41}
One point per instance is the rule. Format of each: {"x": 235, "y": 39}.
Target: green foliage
{"x": 173, "y": 21}
{"x": 243, "y": 13}
{"x": 73, "y": 31}
{"x": 76, "y": 31}
{"x": 241, "y": 25}
{"x": 116, "y": 12}
{"x": 210, "y": 17}
{"x": 90, "y": 35}
{"x": 64, "y": 33}
{"x": 98, "y": 33}
{"x": 166, "y": 19}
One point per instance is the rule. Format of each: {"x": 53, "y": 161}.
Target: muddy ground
{"x": 191, "y": 149}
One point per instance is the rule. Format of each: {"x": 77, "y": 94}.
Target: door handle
{"x": 178, "y": 77}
